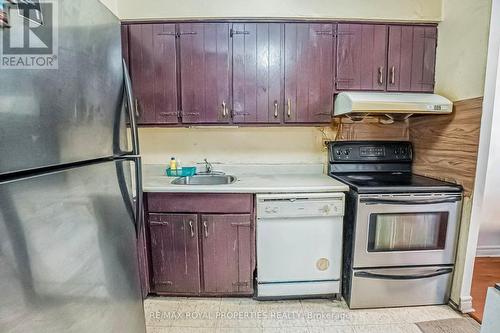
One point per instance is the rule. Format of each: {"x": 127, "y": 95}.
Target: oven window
{"x": 407, "y": 231}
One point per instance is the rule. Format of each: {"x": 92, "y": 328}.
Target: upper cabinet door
{"x": 124, "y": 33}
{"x": 205, "y": 72}
{"x": 257, "y": 72}
{"x": 412, "y": 58}
{"x": 174, "y": 253}
{"x": 152, "y": 62}
{"x": 361, "y": 57}
{"x": 227, "y": 253}
{"x": 309, "y": 72}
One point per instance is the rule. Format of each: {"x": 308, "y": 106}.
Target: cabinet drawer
{"x": 200, "y": 203}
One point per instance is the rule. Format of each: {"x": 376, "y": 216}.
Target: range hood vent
{"x": 392, "y": 105}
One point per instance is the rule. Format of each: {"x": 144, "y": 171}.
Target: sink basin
{"x": 205, "y": 180}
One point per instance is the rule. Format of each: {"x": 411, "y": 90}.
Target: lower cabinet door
{"x": 175, "y": 253}
{"x": 227, "y": 253}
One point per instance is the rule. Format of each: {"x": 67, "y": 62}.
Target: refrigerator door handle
{"x": 139, "y": 204}
{"x": 131, "y": 110}
{"x": 370, "y": 275}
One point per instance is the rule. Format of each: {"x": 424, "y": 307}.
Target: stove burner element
{"x": 360, "y": 177}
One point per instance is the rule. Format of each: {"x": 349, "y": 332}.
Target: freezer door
{"x": 74, "y": 113}
{"x": 68, "y": 256}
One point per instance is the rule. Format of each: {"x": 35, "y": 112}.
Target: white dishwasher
{"x": 299, "y": 244}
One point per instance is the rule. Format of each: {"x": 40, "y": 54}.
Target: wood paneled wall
{"x": 446, "y": 146}
{"x": 371, "y": 128}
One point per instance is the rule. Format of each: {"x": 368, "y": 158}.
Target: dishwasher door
{"x": 299, "y": 244}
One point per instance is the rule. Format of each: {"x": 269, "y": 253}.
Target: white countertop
{"x": 256, "y": 178}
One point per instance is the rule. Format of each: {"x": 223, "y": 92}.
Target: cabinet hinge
{"x": 233, "y": 32}
{"x": 181, "y": 33}
{"x": 339, "y": 80}
{"x": 345, "y": 33}
{"x": 326, "y": 32}
{"x": 427, "y": 36}
{"x": 240, "y": 284}
{"x": 174, "y": 34}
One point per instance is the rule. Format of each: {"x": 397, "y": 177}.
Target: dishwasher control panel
{"x": 297, "y": 205}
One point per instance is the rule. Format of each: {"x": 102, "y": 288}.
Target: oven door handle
{"x": 376, "y": 201}
{"x": 369, "y": 275}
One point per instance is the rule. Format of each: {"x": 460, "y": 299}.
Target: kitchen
{"x": 335, "y": 155}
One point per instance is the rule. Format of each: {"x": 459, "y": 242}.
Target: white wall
{"x": 404, "y": 10}
{"x": 462, "y": 48}
{"x": 487, "y": 208}
{"x": 112, "y": 5}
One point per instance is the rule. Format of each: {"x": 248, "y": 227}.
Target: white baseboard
{"x": 465, "y": 305}
{"x": 488, "y": 251}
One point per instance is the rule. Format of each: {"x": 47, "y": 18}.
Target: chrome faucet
{"x": 208, "y": 166}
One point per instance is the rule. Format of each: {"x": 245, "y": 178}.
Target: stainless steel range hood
{"x": 393, "y": 105}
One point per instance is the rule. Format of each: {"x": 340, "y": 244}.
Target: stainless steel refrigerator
{"x": 70, "y": 186}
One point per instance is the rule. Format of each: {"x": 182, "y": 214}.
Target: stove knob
{"x": 339, "y": 152}
{"x": 275, "y": 210}
{"x": 269, "y": 210}
{"x": 326, "y": 209}
{"x": 347, "y": 152}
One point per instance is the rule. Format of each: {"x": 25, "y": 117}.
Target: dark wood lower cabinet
{"x": 175, "y": 253}
{"x": 227, "y": 259}
{"x": 205, "y": 249}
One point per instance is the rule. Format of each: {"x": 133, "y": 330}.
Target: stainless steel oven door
{"x": 406, "y": 229}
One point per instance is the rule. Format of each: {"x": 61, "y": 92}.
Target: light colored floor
{"x": 238, "y": 315}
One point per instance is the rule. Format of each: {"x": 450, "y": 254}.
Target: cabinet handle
{"x": 205, "y": 227}
{"x": 393, "y": 72}
{"x": 276, "y": 108}
{"x": 381, "y": 75}
{"x": 137, "y": 112}
{"x": 191, "y": 228}
{"x": 289, "y": 108}
{"x": 224, "y": 109}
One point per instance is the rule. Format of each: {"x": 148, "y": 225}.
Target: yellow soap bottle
{"x": 173, "y": 164}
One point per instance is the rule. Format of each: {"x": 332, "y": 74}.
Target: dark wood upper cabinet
{"x": 174, "y": 253}
{"x": 227, "y": 255}
{"x": 152, "y": 63}
{"x": 309, "y": 72}
{"x": 204, "y": 72}
{"x": 269, "y": 73}
{"x": 411, "y": 58}
{"x": 257, "y": 72}
{"x": 361, "y": 57}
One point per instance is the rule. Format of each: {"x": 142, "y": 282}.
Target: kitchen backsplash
{"x": 260, "y": 145}
{"x": 235, "y": 145}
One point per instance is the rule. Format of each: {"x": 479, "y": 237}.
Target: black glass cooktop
{"x": 392, "y": 182}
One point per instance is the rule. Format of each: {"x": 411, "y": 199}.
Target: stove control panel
{"x": 370, "y": 151}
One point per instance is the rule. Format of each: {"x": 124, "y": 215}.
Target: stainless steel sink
{"x": 205, "y": 180}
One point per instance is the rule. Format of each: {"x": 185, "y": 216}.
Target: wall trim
{"x": 465, "y": 305}
{"x": 488, "y": 251}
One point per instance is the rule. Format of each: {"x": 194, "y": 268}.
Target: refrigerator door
{"x": 75, "y": 113}
{"x": 68, "y": 257}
